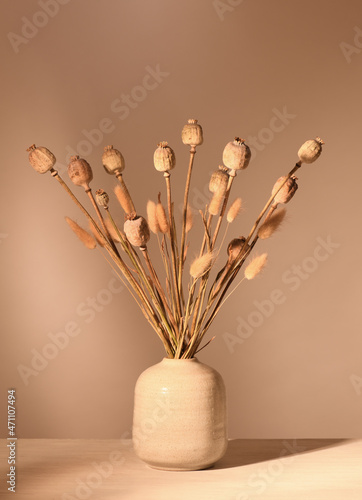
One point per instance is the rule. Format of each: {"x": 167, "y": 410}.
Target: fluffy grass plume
{"x": 234, "y": 210}
{"x": 271, "y": 224}
{"x": 86, "y": 238}
{"x": 201, "y": 264}
{"x": 255, "y": 266}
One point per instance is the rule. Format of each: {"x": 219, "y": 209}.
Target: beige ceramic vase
{"x": 180, "y": 419}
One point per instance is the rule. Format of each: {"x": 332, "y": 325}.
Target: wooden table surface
{"x": 69, "y": 469}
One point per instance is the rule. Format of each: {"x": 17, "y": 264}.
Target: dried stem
{"x": 240, "y": 259}
{"x": 177, "y": 286}
{"x": 206, "y": 234}
{"x": 180, "y": 324}
{"x": 141, "y": 272}
{"x": 159, "y": 288}
{"x": 184, "y": 215}
{"x": 100, "y": 217}
{"x": 232, "y": 175}
{"x": 116, "y": 258}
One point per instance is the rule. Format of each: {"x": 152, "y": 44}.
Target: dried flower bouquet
{"x": 180, "y": 319}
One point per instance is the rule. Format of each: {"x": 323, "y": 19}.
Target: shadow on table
{"x": 250, "y": 451}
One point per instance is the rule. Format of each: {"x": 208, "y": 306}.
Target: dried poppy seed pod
{"x": 113, "y": 161}
{"x": 237, "y": 154}
{"x": 192, "y": 133}
{"x": 41, "y": 159}
{"x": 310, "y": 150}
{"x": 80, "y": 171}
{"x": 164, "y": 158}
{"x": 287, "y": 192}
{"x": 234, "y": 248}
{"x": 102, "y": 198}
{"x": 137, "y": 231}
{"x": 219, "y": 180}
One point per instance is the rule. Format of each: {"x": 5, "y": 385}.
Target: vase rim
{"x": 194, "y": 360}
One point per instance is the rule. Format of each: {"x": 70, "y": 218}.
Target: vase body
{"x": 180, "y": 419}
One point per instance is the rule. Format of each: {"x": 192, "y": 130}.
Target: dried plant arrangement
{"x": 180, "y": 313}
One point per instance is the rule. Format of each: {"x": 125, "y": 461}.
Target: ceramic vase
{"x": 180, "y": 418}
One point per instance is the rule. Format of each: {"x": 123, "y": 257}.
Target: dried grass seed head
{"x": 255, "y": 266}
{"x": 216, "y": 202}
{"x": 112, "y": 231}
{"x": 192, "y": 133}
{"x": 219, "y": 180}
{"x": 271, "y": 224}
{"x": 234, "y": 210}
{"x": 124, "y": 199}
{"x": 41, "y": 159}
{"x": 161, "y": 217}
{"x": 286, "y": 192}
{"x": 86, "y": 238}
{"x": 236, "y": 154}
{"x": 201, "y": 265}
{"x": 310, "y": 150}
{"x": 189, "y": 218}
{"x": 152, "y": 217}
{"x": 137, "y": 231}
{"x": 96, "y": 235}
{"x": 113, "y": 161}
{"x": 164, "y": 157}
{"x": 80, "y": 171}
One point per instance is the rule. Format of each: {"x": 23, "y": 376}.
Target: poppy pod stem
{"x": 271, "y": 200}
{"x": 240, "y": 258}
{"x": 159, "y": 288}
{"x": 148, "y": 311}
{"x": 56, "y": 175}
{"x": 207, "y": 231}
{"x": 174, "y": 257}
{"x": 232, "y": 175}
{"x": 184, "y": 213}
{"x": 243, "y": 253}
{"x": 100, "y": 217}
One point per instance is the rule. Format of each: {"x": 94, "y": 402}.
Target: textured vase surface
{"x": 180, "y": 419}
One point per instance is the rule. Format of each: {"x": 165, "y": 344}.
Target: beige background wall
{"x": 234, "y": 65}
